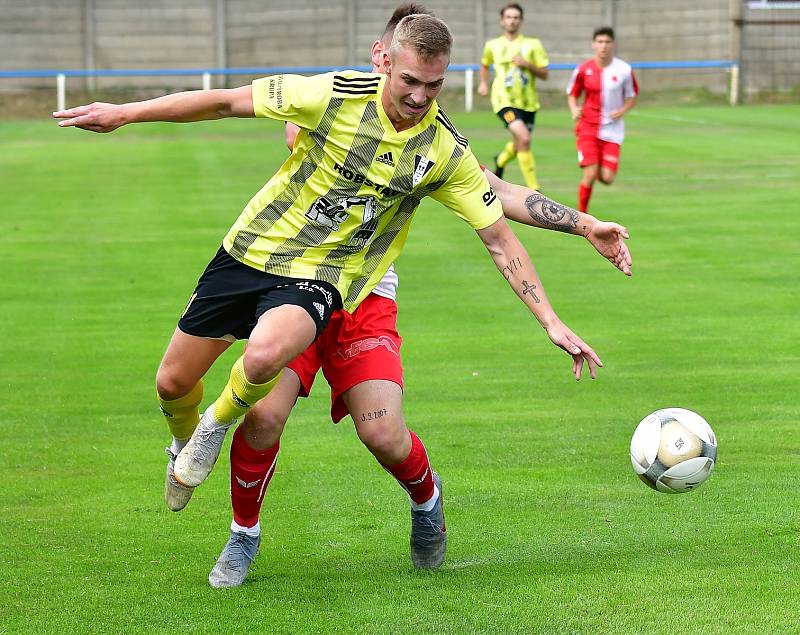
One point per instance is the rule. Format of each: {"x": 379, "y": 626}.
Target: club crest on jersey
{"x": 422, "y": 165}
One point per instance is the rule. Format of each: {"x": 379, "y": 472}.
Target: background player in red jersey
{"x": 611, "y": 90}
{"x": 360, "y": 358}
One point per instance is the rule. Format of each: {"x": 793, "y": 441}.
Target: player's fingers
{"x": 87, "y": 122}
{"x": 592, "y": 368}
{"x": 577, "y": 367}
{"x": 624, "y": 260}
{"x": 619, "y": 262}
{"x": 568, "y": 345}
{"x": 75, "y": 121}
{"x": 624, "y": 231}
{"x": 627, "y": 254}
{"x": 71, "y": 112}
{"x": 587, "y": 351}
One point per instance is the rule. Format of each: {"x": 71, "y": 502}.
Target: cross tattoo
{"x": 528, "y": 288}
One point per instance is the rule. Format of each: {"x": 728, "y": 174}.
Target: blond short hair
{"x": 426, "y": 35}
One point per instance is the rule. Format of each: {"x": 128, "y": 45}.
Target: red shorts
{"x": 592, "y": 150}
{"x": 353, "y": 348}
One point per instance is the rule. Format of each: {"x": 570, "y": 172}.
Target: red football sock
{"x": 251, "y": 471}
{"x": 584, "y": 194}
{"x": 414, "y": 473}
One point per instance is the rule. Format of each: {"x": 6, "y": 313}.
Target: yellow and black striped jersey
{"x": 513, "y": 86}
{"x": 340, "y": 206}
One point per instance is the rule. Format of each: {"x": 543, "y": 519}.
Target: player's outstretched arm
{"x": 185, "y": 107}
{"x": 529, "y": 207}
{"x": 514, "y": 263}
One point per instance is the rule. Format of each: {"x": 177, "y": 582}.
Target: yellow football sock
{"x": 240, "y": 394}
{"x": 528, "y": 168}
{"x": 182, "y": 414}
{"x": 506, "y": 155}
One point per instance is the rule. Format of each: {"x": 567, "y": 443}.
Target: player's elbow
{"x": 495, "y": 237}
{"x": 234, "y": 102}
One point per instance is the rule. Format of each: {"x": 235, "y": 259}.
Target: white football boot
{"x": 196, "y": 460}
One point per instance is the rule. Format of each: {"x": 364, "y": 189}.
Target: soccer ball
{"x": 673, "y": 450}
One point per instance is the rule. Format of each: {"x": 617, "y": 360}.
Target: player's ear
{"x": 377, "y": 54}
{"x": 387, "y": 62}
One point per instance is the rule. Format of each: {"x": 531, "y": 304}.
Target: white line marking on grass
{"x": 703, "y": 122}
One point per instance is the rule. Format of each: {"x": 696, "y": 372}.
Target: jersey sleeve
{"x": 487, "y": 59}
{"x": 575, "y": 85}
{"x": 468, "y": 194}
{"x": 630, "y": 87}
{"x": 539, "y": 55}
{"x": 294, "y": 98}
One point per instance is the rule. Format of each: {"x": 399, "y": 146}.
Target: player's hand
{"x": 609, "y": 241}
{"x": 616, "y": 115}
{"x": 97, "y": 117}
{"x": 576, "y": 114}
{"x": 483, "y": 89}
{"x": 520, "y": 61}
{"x": 561, "y": 335}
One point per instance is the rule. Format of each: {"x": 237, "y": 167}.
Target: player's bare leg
{"x": 180, "y": 390}
{"x": 280, "y": 335}
{"x": 376, "y": 407}
{"x": 607, "y": 175}
{"x": 522, "y": 145}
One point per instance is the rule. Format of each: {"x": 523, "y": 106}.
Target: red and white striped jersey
{"x": 606, "y": 90}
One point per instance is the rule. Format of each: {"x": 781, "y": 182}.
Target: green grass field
{"x": 103, "y": 238}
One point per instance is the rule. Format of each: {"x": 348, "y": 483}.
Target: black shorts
{"x": 230, "y": 297}
{"x": 508, "y": 114}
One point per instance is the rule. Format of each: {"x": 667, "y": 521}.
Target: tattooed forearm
{"x": 551, "y": 214}
{"x": 527, "y": 287}
{"x": 510, "y": 268}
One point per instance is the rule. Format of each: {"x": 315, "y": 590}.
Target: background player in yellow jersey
{"x": 518, "y": 62}
{"x": 322, "y": 231}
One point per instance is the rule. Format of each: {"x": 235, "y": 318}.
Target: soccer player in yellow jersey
{"x": 321, "y": 233}
{"x": 518, "y": 62}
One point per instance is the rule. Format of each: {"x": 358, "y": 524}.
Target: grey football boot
{"x": 429, "y": 534}
{"x": 196, "y": 460}
{"x": 176, "y": 496}
{"x": 234, "y": 561}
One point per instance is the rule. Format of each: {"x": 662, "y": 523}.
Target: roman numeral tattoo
{"x": 510, "y": 268}
{"x": 551, "y": 214}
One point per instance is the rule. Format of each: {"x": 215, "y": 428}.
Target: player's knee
{"x": 170, "y": 385}
{"x": 383, "y": 437}
{"x": 607, "y": 176}
{"x": 523, "y": 142}
{"x": 266, "y": 424}
{"x": 262, "y": 362}
{"x": 589, "y": 175}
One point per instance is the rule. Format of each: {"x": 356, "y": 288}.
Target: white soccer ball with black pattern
{"x": 673, "y": 450}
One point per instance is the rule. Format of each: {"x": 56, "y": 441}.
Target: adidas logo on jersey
{"x": 321, "y": 310}
{"x": 386, "y": 159}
